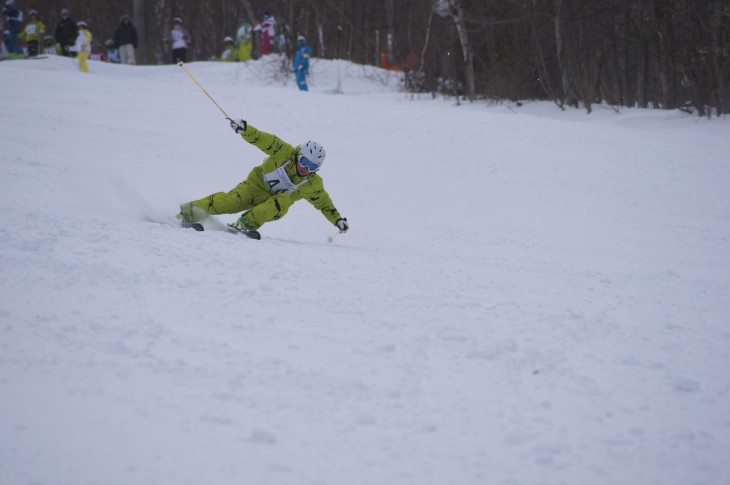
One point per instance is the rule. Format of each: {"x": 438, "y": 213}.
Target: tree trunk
{"x": 564, "y": 63}
{"x": 716, "y": 48}
{"x": 425, "y": 42}
{"x": 457, "y": 13}
{"x": 629, "y": 93}
{"x": 140, "y": 22}
{"x": 544, "y": 77}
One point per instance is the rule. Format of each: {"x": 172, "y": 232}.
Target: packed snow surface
{"x": 525, "y": 296}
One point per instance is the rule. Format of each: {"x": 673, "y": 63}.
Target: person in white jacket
{"x": 178, "y": 40}
{"x": 83, "y": 46}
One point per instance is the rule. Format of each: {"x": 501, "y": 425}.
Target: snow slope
{"x": 526, "y": 296}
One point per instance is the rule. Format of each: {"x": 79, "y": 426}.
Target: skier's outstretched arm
{"x": 266, "y": 142}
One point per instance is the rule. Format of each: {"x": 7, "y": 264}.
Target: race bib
{"x": 178, "y": 39}
{"x": 278, "y": 181}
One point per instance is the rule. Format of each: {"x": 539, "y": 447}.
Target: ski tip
{"x": 193, "y": 225}
{"x": 249, "y": 234}
{"x": 253, "y": 234}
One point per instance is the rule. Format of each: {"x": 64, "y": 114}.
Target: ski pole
{"x": 180, "y": 63}
{"x": 333, "y": 236}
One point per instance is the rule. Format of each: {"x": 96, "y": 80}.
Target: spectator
{"x": 3, "y": 50}
{"x": 97, "y": 54}
{"x": 33, "y": 33}
{"x": 280, "y": 44}
{"x": 228, "y": 50}
{"x": 301, "y": 63}
{"x": 268, "y": 33}
{"x": 50, "y": 47}
{"x": 125, "y": 39}
{"x": 112, "y": 53}
{"x": 83, "y": 46}
{"x": 179, "y": 40}
{"x": 66, "y": 33}
{"x": 243, "y": 40}
{"x": 14, "y": 25}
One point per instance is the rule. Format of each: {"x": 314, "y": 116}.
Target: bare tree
{"x": 649, "y": 53}
{"x": 454, "y": 10}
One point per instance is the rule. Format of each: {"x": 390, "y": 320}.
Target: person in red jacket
{"x": 268, "y": 33}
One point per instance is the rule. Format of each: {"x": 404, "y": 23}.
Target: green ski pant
{"x": 264, "y": 205}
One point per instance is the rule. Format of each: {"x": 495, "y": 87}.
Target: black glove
{"x": 238, "y": 126}
{"x": 342, "y": 224}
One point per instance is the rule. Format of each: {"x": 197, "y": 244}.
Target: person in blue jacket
{"x": 14, "y": 26}
{"x": 301, "y": 62}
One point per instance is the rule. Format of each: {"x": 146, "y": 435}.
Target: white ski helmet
{"x": 314, "y": 152}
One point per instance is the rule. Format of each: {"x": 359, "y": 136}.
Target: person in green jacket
{"x": 50, "y": 47}
{"x": 287, "y": 175}
{"x": 33, "y": 33}
{"x": 228, "y": 51}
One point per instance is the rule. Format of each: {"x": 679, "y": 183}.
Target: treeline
{"x": 665, "y": 54}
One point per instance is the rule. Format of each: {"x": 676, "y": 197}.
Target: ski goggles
{"x": 308, "y": 164}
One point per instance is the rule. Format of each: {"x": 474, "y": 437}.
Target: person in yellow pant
{"x": 83, "y": 45}
{"x": 287, "y": 175}
{"x": 243, "y": 40}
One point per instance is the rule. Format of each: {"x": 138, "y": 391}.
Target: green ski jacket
{"x": 282, "y": 158}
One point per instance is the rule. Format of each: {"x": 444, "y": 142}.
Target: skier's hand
{"x": 238, "y": 126}
{"x": 342, "y": 225}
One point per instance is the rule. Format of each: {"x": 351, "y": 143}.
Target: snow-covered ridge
{"x": 525, "y": 296}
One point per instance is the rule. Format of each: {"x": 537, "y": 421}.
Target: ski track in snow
{"x": 526, "y": 296}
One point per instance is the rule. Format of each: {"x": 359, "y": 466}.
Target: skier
{"x": 50, "y": 47}
{"x": 228, "y": 54}
{"x": 83, "y": 46}
{"x": 112, "y": 53}
{"x": 97, "y": 54}
{"x": 243, "y": 40}
{"x": 301, "y": 63}
{"x": 14, "y": 26}
{"x": 287, "y": 175}
{"x": 179, "y": 40}
{"x": 33, "y": 33}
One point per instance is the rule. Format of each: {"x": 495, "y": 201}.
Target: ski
{"x": 250, "y": 234}
{"x": 18, "y": 57}
{"x": 230, "y": 227}
{"x": 193, "y": 225}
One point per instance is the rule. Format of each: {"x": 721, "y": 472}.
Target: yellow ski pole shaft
{"x": 180, "y": 63}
